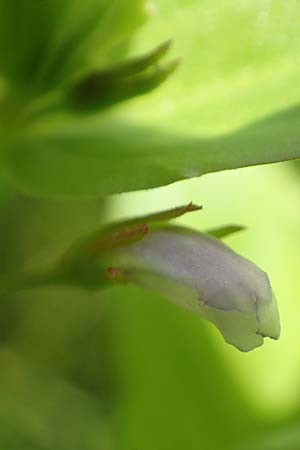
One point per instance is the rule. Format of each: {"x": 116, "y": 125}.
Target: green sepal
{"x": 121, "y": 82}
{"x": 88, "y": 262}
{"x": 224, "y": 231}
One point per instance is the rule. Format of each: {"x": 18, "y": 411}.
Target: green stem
{"x": 30, "y": 280}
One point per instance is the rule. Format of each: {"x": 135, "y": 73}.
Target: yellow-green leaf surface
{"x": 233, "y": 102}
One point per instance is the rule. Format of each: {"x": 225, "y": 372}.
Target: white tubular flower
{"x": 200, "y": 273}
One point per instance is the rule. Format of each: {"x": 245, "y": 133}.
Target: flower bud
{"x": 202, "y": 274}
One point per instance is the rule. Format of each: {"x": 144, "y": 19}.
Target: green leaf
{"x": 233, "y": 103}
{"x": 240, "y": 63}
{"x": 116, "y": 157}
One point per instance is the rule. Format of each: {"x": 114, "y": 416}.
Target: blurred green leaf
{"x": 219, "y": 111}
{"x": 240, "y": 63}
{"x": 112, "y": 156}
{"x": 36, "y": 233}
{"x": 42, "y": 42}
{"x": 279, "y": 436}
{"x": 40, "y": 410}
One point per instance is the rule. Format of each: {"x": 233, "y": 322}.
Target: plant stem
{"x": 27, "y": 280}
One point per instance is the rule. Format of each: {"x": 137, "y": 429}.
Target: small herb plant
{"x": 88, "y": 108}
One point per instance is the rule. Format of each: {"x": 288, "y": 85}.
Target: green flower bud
{"x": 202, "y": 274}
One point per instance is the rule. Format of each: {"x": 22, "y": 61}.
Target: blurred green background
{"x": 123, "y": 369}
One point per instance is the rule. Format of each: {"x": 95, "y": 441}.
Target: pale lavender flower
{"x": 200, "y": 273}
